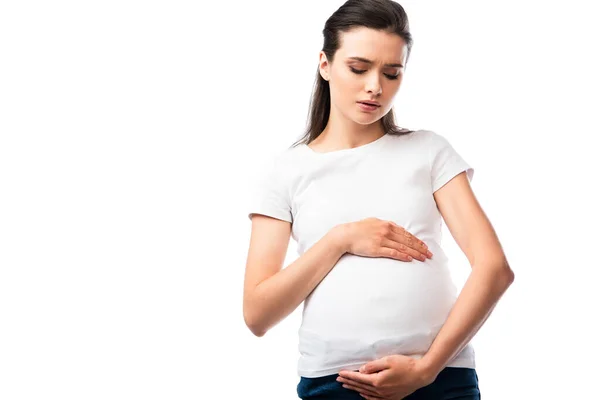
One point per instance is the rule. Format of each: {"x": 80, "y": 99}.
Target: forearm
{"x": 477, "y": 299}
{"x": 278, "y": 296}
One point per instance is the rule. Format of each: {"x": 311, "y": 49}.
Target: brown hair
{"x": 384, "y": 15}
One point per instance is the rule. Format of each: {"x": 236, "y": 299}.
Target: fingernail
{"x": 430, "y": 254}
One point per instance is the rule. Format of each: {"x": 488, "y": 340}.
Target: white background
{"x": 130, "y": 135}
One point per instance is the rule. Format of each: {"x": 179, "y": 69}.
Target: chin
{"x": 367, "y": 119}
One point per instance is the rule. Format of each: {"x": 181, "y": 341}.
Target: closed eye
{"x": 358, "y": 72}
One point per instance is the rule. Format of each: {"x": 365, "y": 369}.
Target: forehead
{"x": 381, "y": 47}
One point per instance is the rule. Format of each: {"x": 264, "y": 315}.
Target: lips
{"x": 369, "y": 103}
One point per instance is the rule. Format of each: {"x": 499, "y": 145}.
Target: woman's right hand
{"x": 374, "y": 237}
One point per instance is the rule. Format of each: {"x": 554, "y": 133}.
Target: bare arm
{"x": 490, "y": 277}
{"x": 272, "y": 293}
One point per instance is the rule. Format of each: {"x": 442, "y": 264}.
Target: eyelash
{"x": 390, "y": 77}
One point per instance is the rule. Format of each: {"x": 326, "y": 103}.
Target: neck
{"x": 343, "y": 133}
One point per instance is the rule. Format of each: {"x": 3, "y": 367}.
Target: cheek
{"x": 344, "y": 83}
{"x": 390, "y": 91}
{"x": 346, "y": 91}
{"x": 395, "y": 85}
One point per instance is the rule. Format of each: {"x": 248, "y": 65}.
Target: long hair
{"x": 384, "y": 15}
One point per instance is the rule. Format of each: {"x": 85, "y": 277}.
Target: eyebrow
{"x": 371, "y": 62}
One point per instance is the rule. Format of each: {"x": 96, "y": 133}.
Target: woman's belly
{"x": 369, "y": 307}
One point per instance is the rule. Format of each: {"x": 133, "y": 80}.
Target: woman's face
{"x": 352, "y": 80}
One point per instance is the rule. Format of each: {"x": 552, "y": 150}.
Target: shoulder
{"x": 419, "y": 135}
{"x": 281, "y": 166}
{"x": 436, "y": 142}
{"x": 430, "y": 136}
{"x": 435, "y": 138}
{"x": 292, "y": 160}
{"x": 417, "y": 140}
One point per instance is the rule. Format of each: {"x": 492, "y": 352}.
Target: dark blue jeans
{"x": 452, "y": 383}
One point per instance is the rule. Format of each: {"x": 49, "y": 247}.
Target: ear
{"x": 323, "y": 66}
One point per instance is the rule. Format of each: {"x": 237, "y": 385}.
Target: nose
{"x": 373, "y": 85}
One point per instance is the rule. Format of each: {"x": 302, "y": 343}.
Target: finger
{"x": 403, "y": 236}
{"x": 402, "y": 248}
{"x": 364, "y": 386}
{"x": 364, "y": 389}
{"x": 358, "y": 377}
{"x": 393, "y": 253}
{"x": 404, "y": 233}
{"x": 375, "y": 366}
{"x": 411, "y": 241}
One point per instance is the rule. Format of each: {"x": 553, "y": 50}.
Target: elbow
{"x": 501, "y": 272}
{"x": 511, "y": 275}
{"x": 254, "y": 328}
{"x": 251, "y": 322}
{"x": 506, "y": 274}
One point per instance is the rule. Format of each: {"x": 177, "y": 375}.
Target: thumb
{"x": 373, "y": 366}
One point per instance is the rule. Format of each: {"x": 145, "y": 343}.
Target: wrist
{"x": 339, "y": 235}
{"x": 428, "y": 369}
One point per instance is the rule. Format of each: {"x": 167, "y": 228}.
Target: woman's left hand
{"x": 391, "y": 378}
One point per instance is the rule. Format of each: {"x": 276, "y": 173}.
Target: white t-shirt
{"x": 367, "y": 307}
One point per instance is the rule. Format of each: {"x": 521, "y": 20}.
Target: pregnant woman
{"x": 364, "y": 200}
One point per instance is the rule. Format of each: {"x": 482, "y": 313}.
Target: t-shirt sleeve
{"x": 269, "y": 194}
{"x": 445, "y": 162}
